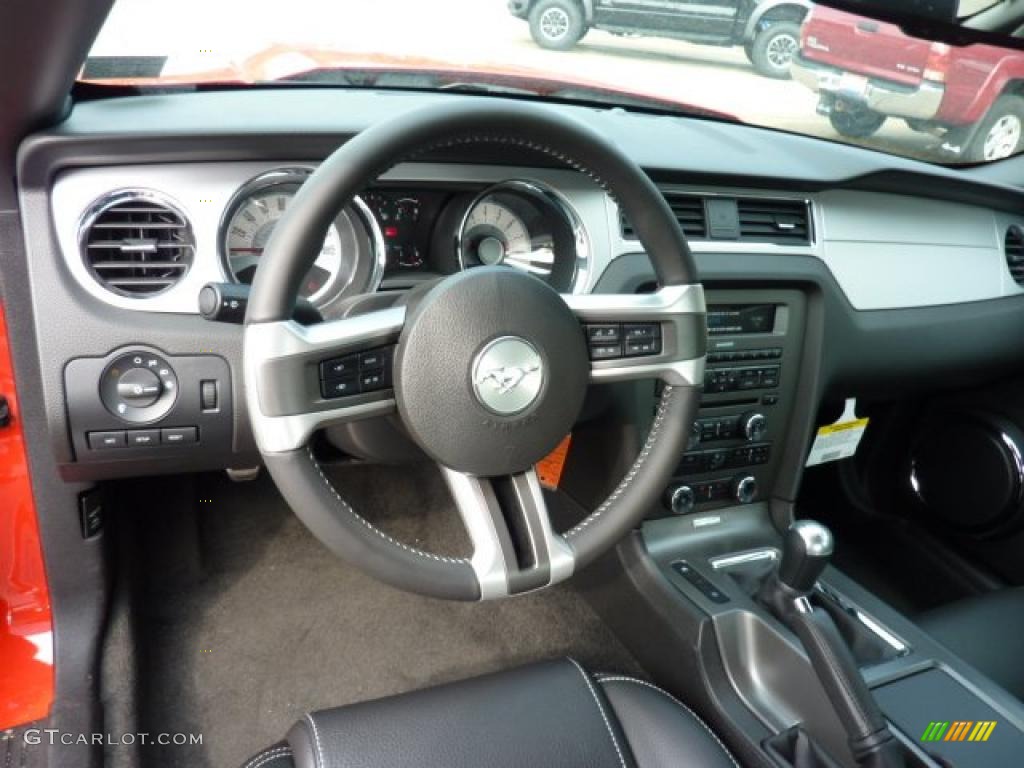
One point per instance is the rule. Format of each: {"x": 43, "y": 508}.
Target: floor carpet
{"x": 265, "y": 624}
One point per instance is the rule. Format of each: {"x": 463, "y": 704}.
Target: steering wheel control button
{"x": 612, "y": 342}
{"x": 179, "y": 436}
{"x": 339, "y": 367}
{"x": 602, "y": 351}
{"x": 641, "y": 332}
{"x": 376, "y": 360}
{"x": 643, "y": 347}
{"x": 99, "y": 440}
{"x": 368, "y": 371}
{"x": 143, "y": 438}
{"x": 343, "y": 387}
{"x": 139, "y": 387}
{"x": 604, "y": 334}
{"x": 508, "y": 375}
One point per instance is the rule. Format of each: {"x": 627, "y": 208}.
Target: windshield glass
{"x": 779, "y": 63}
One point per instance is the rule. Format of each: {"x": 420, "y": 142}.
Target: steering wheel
{"x": 490, "y": 366}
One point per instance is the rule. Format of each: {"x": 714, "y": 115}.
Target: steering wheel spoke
{"x": 657, "y": 335}
{"x": 303, "y": 378}
{"x": 515, "y": 549}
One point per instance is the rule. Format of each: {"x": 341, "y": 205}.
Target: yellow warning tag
{"x": 550, "y": 468}
{"x": 840, "y": 440}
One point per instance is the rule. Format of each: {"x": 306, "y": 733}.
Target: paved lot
{"x": 202, "y": 35}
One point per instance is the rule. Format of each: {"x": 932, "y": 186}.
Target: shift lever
{"x": 806, "y": 550}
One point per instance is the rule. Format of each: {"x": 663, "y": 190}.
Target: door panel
{"x": 26, "y": 627}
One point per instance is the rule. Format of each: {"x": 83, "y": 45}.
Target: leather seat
{"x": 552, "y": 714}
{"x": 985, "y": 632}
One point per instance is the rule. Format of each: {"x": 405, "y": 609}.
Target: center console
{"x": 755, "y": 341}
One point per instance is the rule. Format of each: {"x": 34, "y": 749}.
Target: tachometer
{"x": 349, "y": 245}
{"x": 524, "y": 226}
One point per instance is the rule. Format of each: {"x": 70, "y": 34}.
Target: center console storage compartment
{"x": 951, "y": 722}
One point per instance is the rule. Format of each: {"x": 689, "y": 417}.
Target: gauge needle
{"x": 538, "y": 262}
{"x": 241, "y": 263}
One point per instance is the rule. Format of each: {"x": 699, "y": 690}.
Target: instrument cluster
{"x": 401, "y": 233}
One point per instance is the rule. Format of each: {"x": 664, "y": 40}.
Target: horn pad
{"x": 491, "y": 371}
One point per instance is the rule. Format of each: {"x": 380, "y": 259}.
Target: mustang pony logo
{"x": 507, "y": 377}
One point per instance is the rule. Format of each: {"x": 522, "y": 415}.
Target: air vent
{"x": 1014, "y": 247}
{"x": 689, "y": 212}
{"x": 136, "y": 244}
{"x": 785, "y": 222}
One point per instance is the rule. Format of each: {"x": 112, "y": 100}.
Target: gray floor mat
{"x": 274, "y": 625}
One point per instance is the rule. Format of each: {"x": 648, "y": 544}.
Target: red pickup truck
{"x": 867, "y": 71}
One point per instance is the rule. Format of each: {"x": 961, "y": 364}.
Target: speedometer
{"x": 525, "y": 226}
{"x": 249, "y": 230}
{"x": 348, "y": 258}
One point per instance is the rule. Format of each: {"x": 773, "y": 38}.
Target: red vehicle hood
{"x": 282, "y": 63}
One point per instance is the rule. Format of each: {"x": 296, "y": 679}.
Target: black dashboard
{"x": 841, "y": 243}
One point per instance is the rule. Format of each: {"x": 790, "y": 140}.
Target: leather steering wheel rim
{"x": 273, "y": 342}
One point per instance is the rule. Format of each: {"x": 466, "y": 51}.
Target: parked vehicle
{"x": 768, "y": 30}
{"x": 868, "y": 71}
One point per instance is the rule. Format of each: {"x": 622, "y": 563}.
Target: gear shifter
{"x": 806, "y": 550}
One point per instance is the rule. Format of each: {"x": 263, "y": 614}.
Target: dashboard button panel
{"x": 190, "y": 424}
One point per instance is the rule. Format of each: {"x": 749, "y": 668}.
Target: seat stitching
{"x": 670, "y": 697}
{"x": 604, "y": 715}
{"x": 316, "y": 738}
{"x": 623, "y": 486}
{"x": 268, "y": 757}
{"x": 348, "y": 508}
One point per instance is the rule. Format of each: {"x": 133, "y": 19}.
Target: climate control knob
{"x": 744, "y": 489}
{"x": 753, "y": 425}
{"x": 682, "y": 499}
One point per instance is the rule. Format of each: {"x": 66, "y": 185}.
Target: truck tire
{"x": 774, "y": 47}
{"x": 1000, "y": 133}
{"x": 557, "y": 24}
{"x": 858, "y": 124}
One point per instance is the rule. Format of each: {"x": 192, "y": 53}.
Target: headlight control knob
{"x": 139, "y": 387}
{"x": 753, "y": 425}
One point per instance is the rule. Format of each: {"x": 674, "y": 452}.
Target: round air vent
{"x": 136, "y": 243}
{"x": 1014, "y": 249}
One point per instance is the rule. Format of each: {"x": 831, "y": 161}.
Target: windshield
{"x": 784, "y": 64}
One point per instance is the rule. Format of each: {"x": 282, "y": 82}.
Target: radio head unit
{"x": 745, "y": 319}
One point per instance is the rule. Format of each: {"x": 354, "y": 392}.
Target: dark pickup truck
{"x": 768, "y": 30}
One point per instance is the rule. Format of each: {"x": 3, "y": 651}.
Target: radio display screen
{"x": 750, "y": 318}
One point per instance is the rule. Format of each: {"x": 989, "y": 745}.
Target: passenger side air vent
{"x": 784, "y": 222}
{"x": 689, "y": 212}
{"x": 136, "y": 244}
{"x": 1014, "y": 248}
